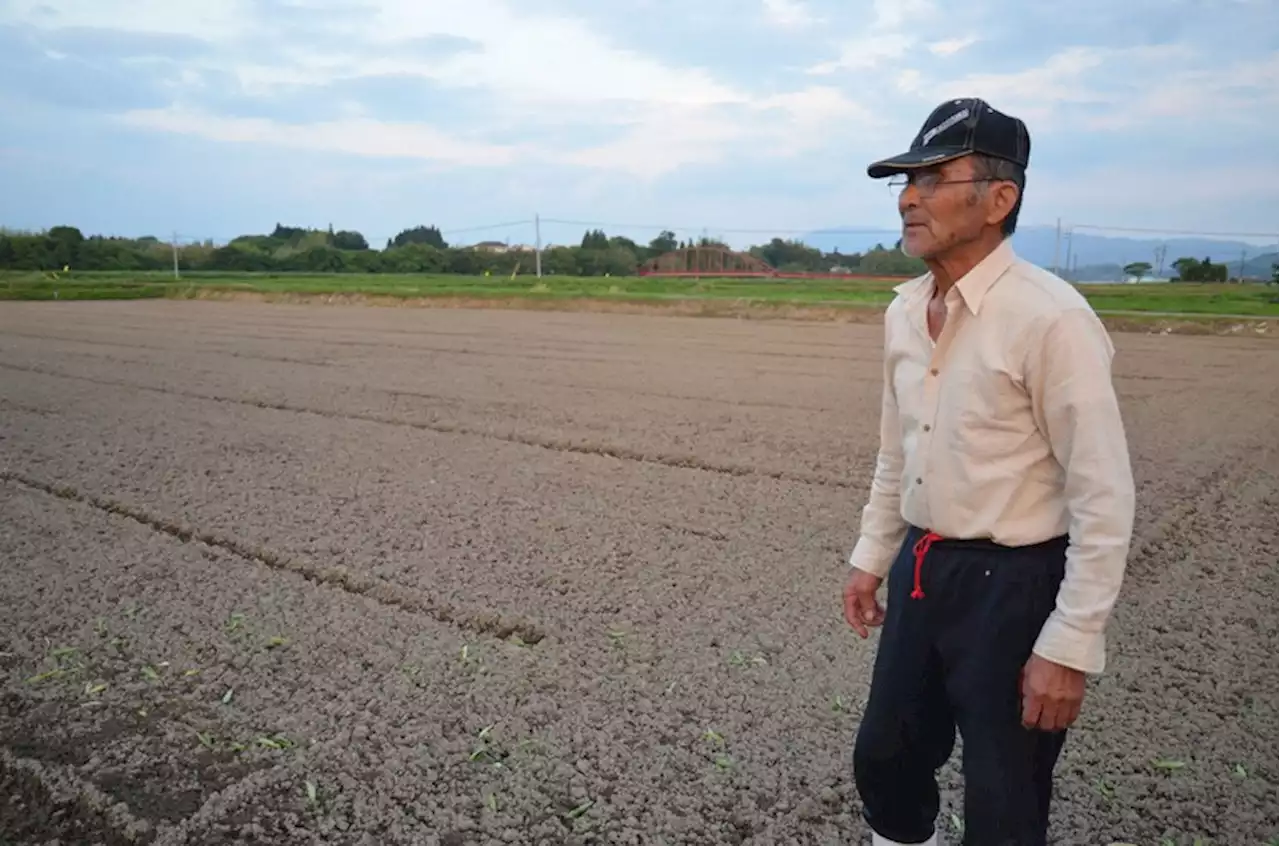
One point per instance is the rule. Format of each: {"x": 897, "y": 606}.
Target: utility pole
{"x": 1066, "y": 265}
{"x": 1243, "y": 253}
{"x": 174, "y": 245}
{"x": 1057, "y": 242}
{"x": 1160, "y": 250}
{"x": 537, "y": 245}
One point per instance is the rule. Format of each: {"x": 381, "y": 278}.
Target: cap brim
{"x": 912, "y": 159}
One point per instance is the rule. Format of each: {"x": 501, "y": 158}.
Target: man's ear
{"x": 1004, "y": 196}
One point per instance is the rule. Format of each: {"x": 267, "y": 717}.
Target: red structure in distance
{"x": 709, "y": 260}
{"x": 719, "y": 261}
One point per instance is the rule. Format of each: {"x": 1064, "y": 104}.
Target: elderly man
{"x": 1001, "y": 505}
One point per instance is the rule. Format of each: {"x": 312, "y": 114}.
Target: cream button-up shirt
{"x": 1006, "y": 429}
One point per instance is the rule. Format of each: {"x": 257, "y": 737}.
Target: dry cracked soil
{"x": 341, "y": 575}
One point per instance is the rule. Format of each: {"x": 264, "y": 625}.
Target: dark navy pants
{"x": 961, "y": 618}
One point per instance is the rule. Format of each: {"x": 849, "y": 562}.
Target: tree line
{"x": 421, "y": 249}
{"x": 1187, "y": 269}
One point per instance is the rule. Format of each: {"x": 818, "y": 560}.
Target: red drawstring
{"x": 921, "y": 549}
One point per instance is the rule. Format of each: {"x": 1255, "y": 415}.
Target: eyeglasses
{"x": 926, "y": 183}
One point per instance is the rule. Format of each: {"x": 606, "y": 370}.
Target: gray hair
{"x": 990, "y": 167}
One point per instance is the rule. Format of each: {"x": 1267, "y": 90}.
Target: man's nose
{"x": 908, "y": 199}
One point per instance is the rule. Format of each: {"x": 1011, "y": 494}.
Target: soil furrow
{"x": 702, "y": 400}
{"x": 199, "y": 352}
{"x": 341, "y": 342}
{"x": 1155, "y": 537}
{"x": 614, "y": 451}
{"x": 46, "y": 803}
{"x": 359, "y": 584}
{"x": 26, "y": 408}
{"x": 580, "y": 388}
{"x": 186, "y": 349}
{"x": 550, "y": 356}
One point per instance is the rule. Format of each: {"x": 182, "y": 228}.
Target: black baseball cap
{"x": 957, "y": 128}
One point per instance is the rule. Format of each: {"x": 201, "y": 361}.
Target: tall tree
{"x": 664, "y": 243}
{"x": 348, "y": 240}
{"x": 428, "y": 235}
{"x": 1137, "y": 269}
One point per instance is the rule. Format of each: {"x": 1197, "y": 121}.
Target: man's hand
{"x": 860, "y": 606}
{"x": 1051, "y": 694}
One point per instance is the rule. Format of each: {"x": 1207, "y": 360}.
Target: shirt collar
{"x": 973, "y": 286}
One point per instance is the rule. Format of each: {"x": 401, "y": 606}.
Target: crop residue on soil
{"x": 280, "y": 574}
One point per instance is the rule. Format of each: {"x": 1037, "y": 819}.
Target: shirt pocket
{"x": 988, "y": 413}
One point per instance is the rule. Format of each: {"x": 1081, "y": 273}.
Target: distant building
{"x": 499, "y": 247}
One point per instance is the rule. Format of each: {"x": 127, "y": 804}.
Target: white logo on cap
{"x": 944, "y": 126}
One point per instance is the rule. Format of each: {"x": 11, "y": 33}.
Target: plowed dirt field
{"x": 304, "y": 575}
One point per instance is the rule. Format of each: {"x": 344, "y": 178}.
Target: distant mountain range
{"x": 1093, "y": 257}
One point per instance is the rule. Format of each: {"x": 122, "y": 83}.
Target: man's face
{"x": 942, "y": 207}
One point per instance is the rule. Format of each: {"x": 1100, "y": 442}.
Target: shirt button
{"x": 927, "y": 427}
{"x": 919, "y": 481}
{"x": 933, "y": 371}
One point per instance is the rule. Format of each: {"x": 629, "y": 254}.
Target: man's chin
{"x": 913, "y": 247}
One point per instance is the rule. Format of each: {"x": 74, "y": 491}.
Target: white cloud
{"x": 890, "y": 36}
{"x": 1226, "y": 93}
{"x": 951, "y": 46}
{"x": 1118, "y": 88}
{"x": 660, "y": 143}
{"x": 355, "y": 136}
{"x": 523, "y": 58}
{"x": 818, "y": 105}
{"x": 894, "y": 14}
{"x": 909, "y": 81}
{"x": 866, "y": 52}
{"x": 543, "y": 69}
{"x": 789, "y": 14}
{"x": 223, "y": 20}
{"x": 655, "y": 142}
{"x": 779, "y": 126}
{"x": 1034, "y": 93}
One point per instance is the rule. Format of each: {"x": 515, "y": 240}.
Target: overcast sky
{"x": 218, "y": 117}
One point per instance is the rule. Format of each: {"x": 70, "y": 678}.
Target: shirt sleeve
{"x": 883, "y": 528}
{"x": 1069, "y": 378}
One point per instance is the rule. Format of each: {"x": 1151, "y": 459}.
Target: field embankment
{"x": 1163, "y": 308}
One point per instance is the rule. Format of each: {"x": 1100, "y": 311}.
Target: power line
{"x": 865, "y": 230}
{"x": 836, "y": 230}
{"x": 486, "y": 227}
{"x": 181, "y": 237}
{"x": 1173, "y": 231}
{"x": 1067, "y": 229}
